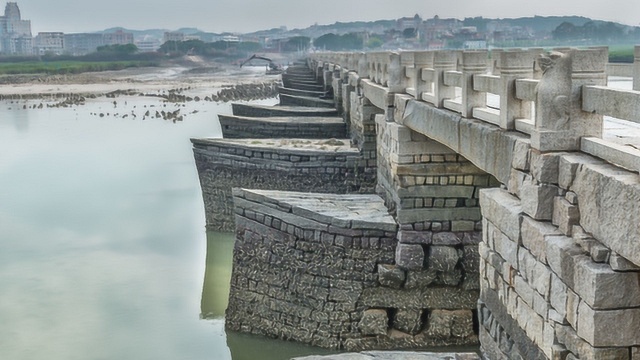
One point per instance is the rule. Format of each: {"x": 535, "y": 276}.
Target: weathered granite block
{"x": 521, "y": 155}
{"x": 374, "y": 322}
{"x": 560, "y": 252}
{"x": 390, "y": 276}
{"x": 603, "y": 288}
{"x": 410, "y": 256}
{"x": 516, "y": 180}
{"x": 447, "y": 323}
{"x": 499, "y": 207}
{"x": 602, "y": 328}
{"x": 408, "y": 320}
{"x": 608, "y": 198}
{"x": 558, "y": 295}
{"x": 618, "y": 263}
{"x": 568, "y": 337}
{"x": 507, "y": 248}
{"x": 565, "y": 215}
{"x": 442, "y": 258}
{"x": 537, "y": 199}
{"x": 420, "y": 279}
{"x": 544, "y": 166}
{"x": 534, "y": 234}
{"x": 414, "y": 237}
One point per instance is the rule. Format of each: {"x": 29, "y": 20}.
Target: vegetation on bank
{"x": 110, "y": 57}
{"x": 621, "y": 54}
{"x": 67, "y": 67}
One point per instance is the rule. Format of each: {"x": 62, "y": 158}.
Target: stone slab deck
{"x": 322, "y": 166}
{"x": 289, "y": 146}
{"x": 302, "y": 77}
{"x": 290, "y": 100}
{"x": 303, "y": 86}
{"x": 238, "y": 127}
{"x": 297, "y": 92}
{"x": 366, "y": 210}
{"x": 269, "y": 111}
{"x": 393, "y": 355}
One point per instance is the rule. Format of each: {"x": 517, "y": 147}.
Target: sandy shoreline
{"x": 192, "y": 77}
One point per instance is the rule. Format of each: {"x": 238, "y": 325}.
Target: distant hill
{"x": 541, "y": 25}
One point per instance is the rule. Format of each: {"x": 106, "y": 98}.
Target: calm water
{"x": 102, "y": 240}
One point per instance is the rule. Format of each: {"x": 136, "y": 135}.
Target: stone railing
{"x": 509, "y": 89}
{"x": 560, "y": 260}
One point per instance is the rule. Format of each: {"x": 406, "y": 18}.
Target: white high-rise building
{"x": 15, "y": 33}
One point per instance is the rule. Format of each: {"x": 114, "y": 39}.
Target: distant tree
{"x": 351, "y": 41}
{"x": 328, "y": 41}
{"x": 120, "y": 49}
{"x": 183, "y": 47}
{"x": 374, "y": 42}
{"x": 297, "y": 43}
{"x": 409, "y": 33}
{"x": 590, "y": 31}
{"x": 565, "y": 31}
{"x": 248, "y": 46}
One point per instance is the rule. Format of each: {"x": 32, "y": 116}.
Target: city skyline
{"x": 245, "y": 16}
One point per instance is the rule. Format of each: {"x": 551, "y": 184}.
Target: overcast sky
{"x": 250, "y": 15}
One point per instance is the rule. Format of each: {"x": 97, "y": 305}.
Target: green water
{"x": 103, "y": 249}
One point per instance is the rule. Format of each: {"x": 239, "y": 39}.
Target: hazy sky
{"x": 251, "y": 15}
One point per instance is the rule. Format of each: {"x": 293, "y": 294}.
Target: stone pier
{"x": 506, "y": 208}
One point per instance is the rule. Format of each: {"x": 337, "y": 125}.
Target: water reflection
{"x": 215, "y": 293}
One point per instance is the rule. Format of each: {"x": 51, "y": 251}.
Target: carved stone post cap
{"x": 474, "y": 60}
{"x": 443, "y": 58}
{"x": 407, "y": 58}
{"x": 423, "y": 58}
{"x": 636, "y": 52}
{"x": 592, "y": 60}
{"x": 516, "y": 60}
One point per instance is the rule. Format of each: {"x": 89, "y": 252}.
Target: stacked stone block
{"x": 560, "y": 278}
{"x": 320, "y": 269}
{"x": 324, "y": 166}
{"x": 239, "y": 127}
{"x": 363, "y": 127}
{"x": 550, "y": 289}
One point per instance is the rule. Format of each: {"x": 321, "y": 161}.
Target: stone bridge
{"x": 507, "y": 209}
{"x": 560, "y": 249}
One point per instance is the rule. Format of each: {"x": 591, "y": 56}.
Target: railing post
{"x": 393, "y": 73}
{"x": 560, "y": 120}
{"x": 495, "y": 61}
{"x": 514, "y": 65}
{"x": 473, "y": 62}
{"x": 636, "y": 68}
{"x": 422, "y": 60}
{"x": 410, "y": 72}
{"x": 443, "y": 61}
{"x": 363, "y": 65}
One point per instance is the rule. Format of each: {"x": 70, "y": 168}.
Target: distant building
{"x": 48, "y": 42}
{"x": 409, "y": 23}
{"x": 15, "y": 33}
{"x": 118, "y": 38}
{"x": 231, "y": 38}
{"x": 82, "y": 43}
{"x": 474, "y": 45}
{"x": 173, "y": 36}
{"x": 148, "y": 44}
